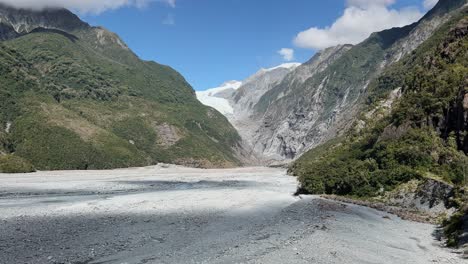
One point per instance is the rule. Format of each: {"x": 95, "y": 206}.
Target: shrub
{"x": 13, "y": 164}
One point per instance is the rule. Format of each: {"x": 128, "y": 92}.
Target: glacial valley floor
{"x": 171, "y": 214}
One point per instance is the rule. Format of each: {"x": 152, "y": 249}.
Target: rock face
{"x": 237, "y": 101}
{"x": 435, "y": 196}
{"x": 319, "y": 100}
{"x": 245, "y": 99}
{"x": 429, "y": 196}
{"x": 248, "y": 95}
{"x": 286, "y": 112}
{"x": 21, "y": 21}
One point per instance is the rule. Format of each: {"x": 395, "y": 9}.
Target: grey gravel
{"x": 170, "y": 214}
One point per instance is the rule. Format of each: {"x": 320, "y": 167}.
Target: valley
{"x": 106, "y": 157}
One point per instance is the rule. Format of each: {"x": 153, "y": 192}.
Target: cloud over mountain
{"x": 287, "y": 54}
{"x": 359, "y": 20}
{"x": 83, "y": 6}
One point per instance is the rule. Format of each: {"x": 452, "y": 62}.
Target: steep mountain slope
{"x": 413, "y": 134}
{"x": 76, "y": 97}
{"x": 254, "y": 87}
{"x": 236, "y": 100}
{"x": 319, "y": 100}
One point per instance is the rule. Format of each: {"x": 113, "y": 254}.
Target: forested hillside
{"x": 76, "y": 97}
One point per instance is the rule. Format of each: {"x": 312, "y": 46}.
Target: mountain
{"x": 238, "y": 94}
{"x": 409, "y": 145}
{"x": 254, "y": 87}
{"x": 16, "y": 22}
{"x": 319, "y": 100}
{"x": 416, "y": 118}
{"x": 236, "y": 100}
{"x": 74, "y": 96}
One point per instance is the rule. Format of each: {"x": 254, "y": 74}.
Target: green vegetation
{"x": 423, "y": 136}
{"x": 454, "y": 225}
{"x": 14, "y": 164}
{"x": 82, "y": 100}
{"x": 363, "y": 167}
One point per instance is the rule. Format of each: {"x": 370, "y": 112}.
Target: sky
{"x": 213, "y": 41}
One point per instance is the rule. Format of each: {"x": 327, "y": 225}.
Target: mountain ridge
{"x": 23, "y": 21}
{"x": 237, "y": 104}
{"x": 297, "y": 116}
{"x": 75, "y": 97}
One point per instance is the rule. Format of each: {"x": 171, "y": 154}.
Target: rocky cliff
{"x": 319, "y": 100}
{"x": 237, "y": 101}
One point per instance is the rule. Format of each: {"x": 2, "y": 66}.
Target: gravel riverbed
{"x": 171, "y": 214}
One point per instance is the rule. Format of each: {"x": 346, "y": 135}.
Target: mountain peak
{"x": 288, "y": 66}
{"x": 23, "y": 21}
{"x": 231, "y": 85}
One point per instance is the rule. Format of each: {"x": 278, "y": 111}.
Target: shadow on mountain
{"x": 69, "y": 36}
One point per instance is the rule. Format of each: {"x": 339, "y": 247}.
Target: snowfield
{"x": 171, "y": 214}
{"x": 210, "y": 98}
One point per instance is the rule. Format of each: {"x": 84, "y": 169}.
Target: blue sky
{"x": 212, "y": 41}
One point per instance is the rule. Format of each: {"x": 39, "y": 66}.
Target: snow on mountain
{"x": 220, "y": 97}
{"x": 289, "y": 66}
{"x": 214, "y": 97}
{"x": 225, "y": 86}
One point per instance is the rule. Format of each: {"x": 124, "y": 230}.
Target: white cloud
{"x": 287, "y": 54}
{"x": 83, "y": 6}
{"x": 429, "y": 4}
{"x": 359, "y": 20}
